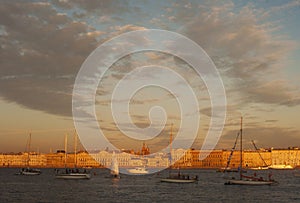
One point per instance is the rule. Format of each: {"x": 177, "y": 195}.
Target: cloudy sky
{"x": 254, "y": 45}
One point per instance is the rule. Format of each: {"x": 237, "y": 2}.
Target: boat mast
{"x": 75, "y": 149}
{"x": 66, "y": 140}
{"x": 28, "y": 150}
{"x": 241, "y": 148}
{"x": 171, "y": 139}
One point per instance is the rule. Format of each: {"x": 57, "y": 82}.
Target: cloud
{"x": 283, "y": 7}
{"x": 245, "y": 51}
{"x": 106, "y": 7}
{"x": 273, "y": 92}
{"x": 271, "y": 121}
{"x": 40, "y": 55}
{"x": 42, "y": 49}
{"x": 265, "y": 137}
{"x": 41, "y": 52}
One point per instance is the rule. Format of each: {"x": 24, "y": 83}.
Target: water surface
{"x": 210, "y": 188}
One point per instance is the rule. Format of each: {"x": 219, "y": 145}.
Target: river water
{"x": 146, "y": 188}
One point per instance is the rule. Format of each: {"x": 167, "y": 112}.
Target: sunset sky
{"x": 255, "y": 46}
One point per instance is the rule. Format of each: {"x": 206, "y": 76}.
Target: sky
{"x": 253, "y": 44}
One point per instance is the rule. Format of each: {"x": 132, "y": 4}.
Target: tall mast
{"x": 66, "y": 141}
{"x": 29, "y": 143}
{"x": 241, "y": 148}
{"x": 75, "y": 149}
{"x": 28, "y": 150}
{"x": 171, "y": 139}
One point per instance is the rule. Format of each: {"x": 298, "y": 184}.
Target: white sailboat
{"x": 74, "y": 173}
{"x": 29, "y": 171}
{"x": 177, "y": 177}
{"x": 114, "y": 168}
{"x": 248, "y": 180}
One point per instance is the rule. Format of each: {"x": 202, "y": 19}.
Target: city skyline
{"x": 253, "y": 159}
{"x": 254, "y": 45}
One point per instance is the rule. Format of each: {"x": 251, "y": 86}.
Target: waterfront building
{"x": 254, "y": 159}
{"x": 285, "y": 157}
{"x": 23, "y": 159}
{"x": 181, "y": 158}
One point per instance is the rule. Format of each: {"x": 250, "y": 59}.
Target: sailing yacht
{"x": 73, "y": 173}
{"x": 29, "y": 171}
{"x": 114, "y": 168}
{"x": 177, "y": 177}
{"x": 248, "y": 180}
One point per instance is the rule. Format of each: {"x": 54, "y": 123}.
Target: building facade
{"x": 191, "y": 158}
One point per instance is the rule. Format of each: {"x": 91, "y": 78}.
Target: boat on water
{"x": 28, "y": 171}
{"x": 114, "y": 168}
{"x": 74, "y": 173}
{"x": 281, "y": 167}
{"x": 138, "y": 170}
{"x": 228, "y": 169}
{"x": 248, "y": 180}
{"x": 177, "y": 177}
